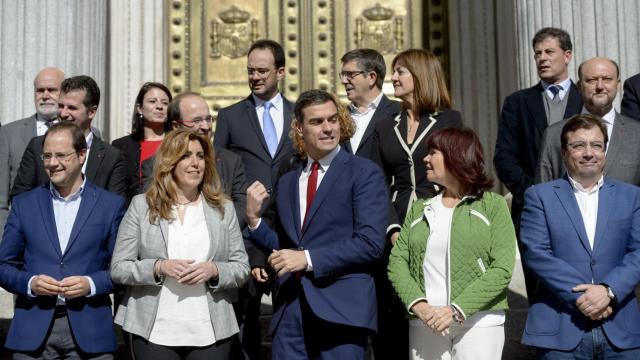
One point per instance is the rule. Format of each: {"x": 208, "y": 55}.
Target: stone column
{"x": 137, "y": 44}
{"x": 70, "y": 34}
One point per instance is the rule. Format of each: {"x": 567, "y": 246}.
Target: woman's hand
{"x": 423, "y": 311}
{"x": 199, "y": 273}
{"x": 174, "y": 268}
{"x": 441, "y": 320}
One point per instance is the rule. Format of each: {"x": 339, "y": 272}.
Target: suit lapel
{"x": 250, "y": 110}
{"x": 616, "y": 139}
{"x": 212, "y": 218}
{"x": 380, "y": 113}
{"x": 46, "y": 209}
{"x": 606, "y": 205}
{"x": 535, "y": 105}
{"x": 96, "y": 155}
{"x": 164, "y": 231}
{"x": 87, "y": 203}
{"x": 30, "y": 130}
{"x": 336, "y": 168}
{"x": 294, "y": 189}
{"x": 574, "y": 103}
{"x": 565, "y": 194}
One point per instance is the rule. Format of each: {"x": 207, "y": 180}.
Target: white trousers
{"x": 476, "y": 343}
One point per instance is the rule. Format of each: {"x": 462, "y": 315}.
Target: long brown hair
{"x": 430, "y": 93}
{"x": 161, "y": 195}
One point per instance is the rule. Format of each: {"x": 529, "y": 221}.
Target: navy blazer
{"x": 30, "y": 246}
{"x": 630, "y": 105}
{"x": 522, "y": 124}
{"x": 557, "y": 251}
{"x": 344, "y": 233}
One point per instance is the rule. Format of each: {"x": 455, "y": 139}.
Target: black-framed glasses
{"x": 46, "y": 157}
{"x": 350, "y": 74}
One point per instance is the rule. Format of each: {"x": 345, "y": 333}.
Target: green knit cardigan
{"x": 481, "y": 254}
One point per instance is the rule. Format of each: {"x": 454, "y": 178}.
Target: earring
{"x": 140, "y": 116}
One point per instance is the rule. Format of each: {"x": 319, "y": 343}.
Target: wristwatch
{"x": 612, "y": 297}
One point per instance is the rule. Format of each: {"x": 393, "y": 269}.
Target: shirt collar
{"x": 325, "y": 161}
{"x": 40, "y": 119}
{"x": 89, "y": 139}
{"x": 56, "y": 195}
{"x": 276, "y": 101}
{"x": 564, "y": 84}
{"x": 372, "y": 105}
{"x": 578, "y": 188}
{"x": 608, "y": 118}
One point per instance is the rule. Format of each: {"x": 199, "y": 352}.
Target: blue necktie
{"x": 555, "y": 90}
{"x": 269, "y": 129}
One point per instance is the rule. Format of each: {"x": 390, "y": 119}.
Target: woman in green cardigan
{"x": 454, "y": 257}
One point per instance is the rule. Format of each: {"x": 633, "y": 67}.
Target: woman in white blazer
{"x": 180, "y": 253}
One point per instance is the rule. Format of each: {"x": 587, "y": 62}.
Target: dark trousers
{"x": 60, "y": 343}
{"x": 301, "y": 335}
{"x": 143, "y": 350}
{"x": 248, "y": 345}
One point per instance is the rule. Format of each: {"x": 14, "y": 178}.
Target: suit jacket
{"x": 387, "y": 109}
{"x": 557, "y": 252}
{"x": 631, "y": 99}
{"x": 140, "y": 244}
{"x": 344, "y": 233}
{"x": 130, "y": 149}
{"x": 14, "y": 138}
{"x": 402, "y": 164}
{"x": 231, "y": 172}
{"x": 30, "y": 248}
{"x": 522, "y": 124}
{"x": 105, "y": 168}
{"x": 623, "y": 152}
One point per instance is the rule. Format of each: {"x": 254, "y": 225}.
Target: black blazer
{"x": 387, "y": 109}
{"x": 398, "y": 160}
{"x": 105, "y": 168}
{"x": 522, "y": 124}
{"x": 631, "y": 99}
{"x": 130, "y": 148}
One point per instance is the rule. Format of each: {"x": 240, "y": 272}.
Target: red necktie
{"x": 311, "y": 187}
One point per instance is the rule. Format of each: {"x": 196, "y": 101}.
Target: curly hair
{"x": 318, "y": 97}
{"x": 161, "y": 195}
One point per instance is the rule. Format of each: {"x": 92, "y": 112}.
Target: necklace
{"x": 181, "y": 206}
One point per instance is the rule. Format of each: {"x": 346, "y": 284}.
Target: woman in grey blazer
{"x": 180, "y": 253}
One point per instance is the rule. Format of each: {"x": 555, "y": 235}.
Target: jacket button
{"x": 593, "y": 261}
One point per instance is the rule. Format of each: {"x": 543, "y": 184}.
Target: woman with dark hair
{"x": 181, "y": 255}
{"x": 453, "y": 260}
{"x": 148, "y": 126}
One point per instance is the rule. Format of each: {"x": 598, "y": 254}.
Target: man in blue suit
{"x": 55, "y": 256}
{"x": 581, "y": 239}
{"x": 329, "y": 234}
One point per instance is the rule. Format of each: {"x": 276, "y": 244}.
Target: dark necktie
{"x": 555, "y": 90}
{"x": 312, "y": 184}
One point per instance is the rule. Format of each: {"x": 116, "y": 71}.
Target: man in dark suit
{"x": 257, "y": 129}
{"x": 599, "y": 81}
{"x": 631, "y": 99}
{"x": 362, "y": 75}
{"x": 105, "y": 165}
{"x": 189, "y": 109}
{"x": 581, "y": 238}
{"x": 58, "y": 265}
{"x": 15, "y": 136}
{"x": 330, "y": 228}
{"x": 527, "y": 113}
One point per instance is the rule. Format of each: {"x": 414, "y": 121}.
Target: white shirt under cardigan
{"x": 183, "y": 316}
{"x": 436, "y": 266}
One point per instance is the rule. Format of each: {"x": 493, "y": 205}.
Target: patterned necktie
{"x": 555, "y": 90}
{"x": 312, "y": 184}
{"x": 269, "y": 129}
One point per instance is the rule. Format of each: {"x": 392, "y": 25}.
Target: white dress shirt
{"x": 89, "y": 140}
{"x": 42, "y": 125}
{"x": 362, "y": 120}
{"x": 588, "y": 205}
{"x": 276, "y": 112}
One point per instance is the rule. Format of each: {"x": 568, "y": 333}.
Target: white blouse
{"x": 183, "y": 312}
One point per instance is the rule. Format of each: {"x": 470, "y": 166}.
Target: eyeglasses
{"x": 349, "y": 75}
{"x": 580, "y": 146}
{"x": 263, "y": 73}
{"x": 197, "y": 122}
{"x": 46, "y": 157}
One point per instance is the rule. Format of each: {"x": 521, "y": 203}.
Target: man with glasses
{"x": 599, "y": 79}
{"x": 105, "y": 166}
{"x": 257, "y": 129}
{"x": 55, "y": 255}
{"x": 362, "y": 75}
{"x": 581, "y": 240}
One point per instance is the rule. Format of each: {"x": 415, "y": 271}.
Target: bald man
{"x": 15, "y": 136}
